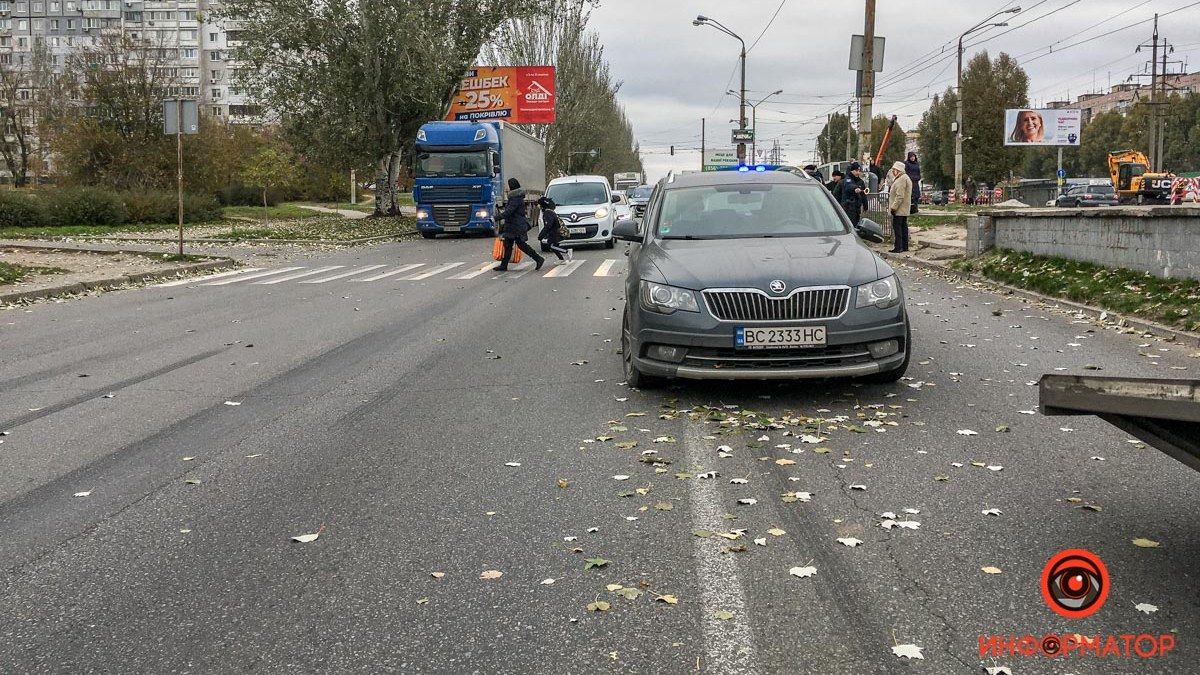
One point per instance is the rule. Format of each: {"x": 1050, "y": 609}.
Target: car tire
{"x": 1078, "y": 204}
{"x": 610, "y": 243}
{"x": 429, "y": 235}
{"x": 894, "y": 375}
{"x": 545, "y": 247}
{"x": 633, "y": 377}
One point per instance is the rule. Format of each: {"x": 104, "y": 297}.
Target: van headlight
{"x": 667, "y": 299}
{"x": 883, "y": 293}
{"x": 602, "y": 211}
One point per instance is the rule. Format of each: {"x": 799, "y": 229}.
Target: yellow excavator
{"x": 1133, "y": 181}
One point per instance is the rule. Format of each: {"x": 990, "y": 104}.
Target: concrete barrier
{"x": 1162, "y": 240}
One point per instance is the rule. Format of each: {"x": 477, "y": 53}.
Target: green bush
{"x": 162, "y": 207}
{"x": 243, "y": 195}
{"x": 20, "y": 209}
{"x": 84, "y": 206}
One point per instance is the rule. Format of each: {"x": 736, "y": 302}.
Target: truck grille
{"x": 801, "y": 305}
{"x": 443, "y": 194}
{"x": 451, "y": 215}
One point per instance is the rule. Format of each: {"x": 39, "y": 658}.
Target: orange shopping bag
{"x": 498, "y": 251}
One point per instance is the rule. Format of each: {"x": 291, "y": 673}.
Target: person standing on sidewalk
{"x": 899, "y": 203}
{"x": 834, "y": 182}
{"x": 912, "y": 167}
{"x": 853, "y": 193}
{"x": 515, "y": 230}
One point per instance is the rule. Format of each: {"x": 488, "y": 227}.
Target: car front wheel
{"x": 633, "y": 377}
{"x": 610, "y": 243}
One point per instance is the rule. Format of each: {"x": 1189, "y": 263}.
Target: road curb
{"x": 304, "y": 242}
{"x": 114, "y": 282}
{"x": 1174, "y": 334}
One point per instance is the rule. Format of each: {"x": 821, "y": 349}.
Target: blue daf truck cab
{"x": 462, "y": 170}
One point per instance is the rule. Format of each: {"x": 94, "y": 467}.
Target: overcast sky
{"x": 674, "y": 73}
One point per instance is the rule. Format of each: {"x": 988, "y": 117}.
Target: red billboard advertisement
{"x": 518, "y": 94}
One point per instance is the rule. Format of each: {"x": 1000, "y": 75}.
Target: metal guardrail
{"x": 1163, "y": 413}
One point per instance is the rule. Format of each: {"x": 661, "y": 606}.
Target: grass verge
{"x": 84, "y": 230}
{"x": 922, "y": 221}
{"x": 11, "y": 274}
{"x": 1173, "y": 302}
{"x": 325, "y": 228}
{"x": 278, "y": 212}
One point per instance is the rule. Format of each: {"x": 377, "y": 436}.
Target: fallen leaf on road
{"x": 790, "y": 497}
{"x": 599, "y": 606}
{"x": 664, "y": 506}
{"x": 192, "y": 481}
{"x": 723, "y": 614}
{"x": 908, "y": 651}
{"x": 547, "y": 582}
{"x": 512, "y": 464}
{"x": 749, "y": 501}
{"x": 620, "y": 477}
{"x": 991, "y": 512}
{"x": 995, "y": 467}
{"x": 254, "y": 455}
{"x": 1145, "y": 543}
{"x": 1002, "y": 429}
{"x": 562, "y": 483}
{"x": 233, "y": 402}
{"x": 306, "y": 538}
{"x": 941, "y": 478}
{"x": 82, "y": 494}
{"x": 859, "y": 487}
{"x": 738, "y": 481}
{"x": 990, "y": 570}
{"x": 614, "y": 587}
{"x": 802, "y": 572}
{"x": 629, "y": 593}
{"x": 849, "y": 541}
{"x": 1146, "y": 607}
{"x": 785, "y": 461}
{"x": 776, "y": 531}
{"x": 491, "y": 574}
{"x": 625, "y": 445}
{"x": 437, "y": 575}
{"x": 761, "y": 541}
{"x": 595, "y": 562}
{"x": 997, "y": 670}
{"x": 967, "y": 432}
{"x": 669, "y": 599}
{"x": 188, "y": 459}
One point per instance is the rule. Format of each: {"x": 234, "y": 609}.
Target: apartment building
{"x": 195, "y": 47}
{"x": 1122, "y": 96}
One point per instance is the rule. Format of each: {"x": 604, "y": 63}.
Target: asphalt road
{"x": 423, "y": 425}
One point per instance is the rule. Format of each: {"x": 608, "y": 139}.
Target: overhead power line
{"x": 768, "y": 26}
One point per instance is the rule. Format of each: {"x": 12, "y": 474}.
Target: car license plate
{"x": 779, "y": 338}
{"x": 577, "y": 230}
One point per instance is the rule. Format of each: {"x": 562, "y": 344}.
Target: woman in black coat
{"x": 913, "y": 168}
{"x": 514, "y": 230}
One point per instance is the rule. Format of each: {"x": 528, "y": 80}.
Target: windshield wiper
{"x": 690, "y": 237}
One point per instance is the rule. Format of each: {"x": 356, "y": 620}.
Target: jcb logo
{"x": 1161, "y": 183}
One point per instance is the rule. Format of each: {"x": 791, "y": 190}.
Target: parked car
{"x": 1087, "y": 195}
{"x": 586, "y": 205}
{"x": 757, "y": 275}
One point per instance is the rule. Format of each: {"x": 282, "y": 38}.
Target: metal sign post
{"x": 180, "y": 117}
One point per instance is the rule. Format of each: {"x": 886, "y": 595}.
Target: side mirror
{"x": 869, "y": 230}
{"x": 627, "y": 230}
{"x": 616, "y": 199}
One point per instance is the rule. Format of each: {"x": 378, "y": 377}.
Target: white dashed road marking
{"x": 604, "y": 269}
{"x": 210, "y": 277}
{"x": 298, "y": 275}
{"x": 433, "y": 272}
{"x": 564, "y": 270}
{"x": 400, "y": 270}
{"x": 728, "y": 644}
{"x": 343, "y": 275}
{"x": 471, "y": 275}
{"x": 256, "y": 275}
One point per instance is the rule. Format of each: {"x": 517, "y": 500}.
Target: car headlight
{"x": 422, "y": 214}
{"x": 602, "y": 211}
{"x": 883, "y": 293}
{"x": 667, "y": 299}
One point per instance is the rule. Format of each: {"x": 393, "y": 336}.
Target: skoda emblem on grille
{"x": 778, "y": 286}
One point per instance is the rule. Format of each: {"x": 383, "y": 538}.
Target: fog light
{"x": 604, "y": 233}
{"x": 666, "y": 353}
{"x": 880, "y": 350}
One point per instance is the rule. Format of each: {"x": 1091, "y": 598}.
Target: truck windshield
{"x": 570, "y": 194}
{"x": 452, "y": 164}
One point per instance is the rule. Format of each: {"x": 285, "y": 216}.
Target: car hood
{"x": 839, "y": 260}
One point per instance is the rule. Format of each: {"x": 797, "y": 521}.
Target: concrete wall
{"x": 1162, "y": 240}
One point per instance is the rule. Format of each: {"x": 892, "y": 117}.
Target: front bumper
{"x": 431, "y": 223}
{"x": 709, "y": 353}
{"x": 593, "y": 232}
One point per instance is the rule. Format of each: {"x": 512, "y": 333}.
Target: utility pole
{"x": 849, "y": 130}
{"x": 958, "y": 107}
{"x": 1155, "y": 160}
{"x": 868, "y": 81}
{"x": 701, "y": 143}
{"x": 829, "y": 137}
{"x": 1158, "y": 90}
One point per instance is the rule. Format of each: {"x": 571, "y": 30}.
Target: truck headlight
{"x": 883, "y": 293}
{"x": 483, "y": 214}
{"x": 667, "y": 299}
{"x": 602, "y": 211}
{"x": 422, "y": 214}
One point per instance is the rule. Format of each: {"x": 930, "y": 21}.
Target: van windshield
{"x": 572, "y": 194}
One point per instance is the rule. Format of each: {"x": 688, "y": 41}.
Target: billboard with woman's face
{"x": 1041, "y": 127}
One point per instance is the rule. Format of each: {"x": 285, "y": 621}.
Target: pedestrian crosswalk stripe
{"x": 471, "y": 275}
{"x": 604, "y": 269}
{"x": 433, "y": 272}
{"x": 256, "y": 275}
{"x": 516, "y": 271}
{"x": 297, "y": 275}
{"x": 400, "y": 270}
{"x": 343, "y": 275}
{"x": 210, "y": 277}
{"x": 564, "y": 270}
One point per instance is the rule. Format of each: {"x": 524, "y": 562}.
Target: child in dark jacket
{"x": 552, "y": 230}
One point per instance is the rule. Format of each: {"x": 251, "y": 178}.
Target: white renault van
{"x": 586, "y": 206}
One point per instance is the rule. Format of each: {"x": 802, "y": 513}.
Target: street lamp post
{"x": 958, "y": 106}
{"x": 705, "y": 21}
{"x": 754, "y": 122}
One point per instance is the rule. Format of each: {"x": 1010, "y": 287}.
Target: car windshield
{"x": 641, "y": 192}
{"x": 571, "y": 194}
{"x": 747, "y": 211}
{"x": 452, "y": 164}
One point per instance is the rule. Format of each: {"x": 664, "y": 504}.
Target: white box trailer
{"x": 522, "y": 156}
